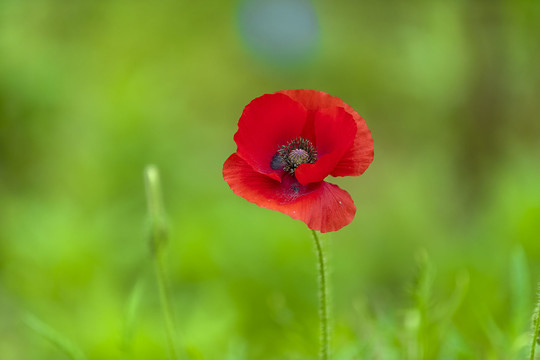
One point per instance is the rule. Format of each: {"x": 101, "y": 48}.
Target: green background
{"x": 440, "y": 261}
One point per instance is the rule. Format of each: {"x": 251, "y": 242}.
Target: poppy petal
{"x": 357, "y": 159}
{"x": 268, "y": 122}
{"x": 322, "y": 206}
{"x": 315, "y": 100}
{"x": 335, "y": 131}
{"x": 359, "y": 156}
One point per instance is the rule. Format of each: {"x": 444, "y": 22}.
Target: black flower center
{"x": 296, "y": 152}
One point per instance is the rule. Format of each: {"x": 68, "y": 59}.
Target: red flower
{"x": 287, "y": 144}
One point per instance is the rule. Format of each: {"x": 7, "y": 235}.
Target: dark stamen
{"x": 277, "y": 162}
{"x": 296, "y": 152}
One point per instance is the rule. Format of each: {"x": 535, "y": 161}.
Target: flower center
{"x": 299, "y": 156}
{"x": 296, "y": 152}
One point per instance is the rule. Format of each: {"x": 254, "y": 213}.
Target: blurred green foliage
{"x": 439, "y": 263}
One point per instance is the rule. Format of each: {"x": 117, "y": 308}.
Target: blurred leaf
{"x": 57, "y": 339}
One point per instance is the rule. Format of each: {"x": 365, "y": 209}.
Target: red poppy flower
{"x": 287, "y": 144}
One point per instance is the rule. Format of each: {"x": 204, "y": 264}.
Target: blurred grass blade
{"x": 418, "y": 320}
{"x": 520, "y": 290}
{"x": 447, "y": 309}
{"x": 131, "y": 313}
{"x": 59, "y": 340}
{"x": 520, "y": 297}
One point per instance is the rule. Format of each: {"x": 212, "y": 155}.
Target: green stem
{"x": 157, "y": 241}
{"x": 536, "y": 327}
{"x": 323, "y": 299}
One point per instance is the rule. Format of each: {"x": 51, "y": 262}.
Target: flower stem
{"x": 324, "y": 353}
{"x": 158, "y": 238}
{"x": 536, "y": 319}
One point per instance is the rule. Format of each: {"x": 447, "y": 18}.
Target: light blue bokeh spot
{"x": 280, "y": 30}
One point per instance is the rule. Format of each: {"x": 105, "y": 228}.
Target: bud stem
{"x": 158, "y": 238}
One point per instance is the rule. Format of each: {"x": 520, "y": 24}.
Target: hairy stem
{"x": 324, "y": 353}
{"x": 536, "y": 331}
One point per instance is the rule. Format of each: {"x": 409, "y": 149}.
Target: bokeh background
{"x": 440, "y": 262}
